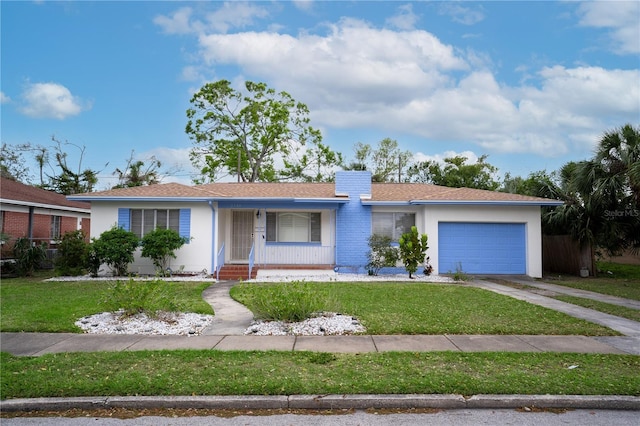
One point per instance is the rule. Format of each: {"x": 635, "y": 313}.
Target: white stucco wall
{"x": 193, "y": 257}
{"x": 529, "y": 215}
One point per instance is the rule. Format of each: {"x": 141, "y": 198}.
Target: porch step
{"x": 237, "y": 272}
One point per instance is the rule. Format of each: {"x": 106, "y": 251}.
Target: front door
{"x": 241, "y": 235}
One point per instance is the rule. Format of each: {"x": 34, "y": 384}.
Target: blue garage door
{"x": 482, "y": 248}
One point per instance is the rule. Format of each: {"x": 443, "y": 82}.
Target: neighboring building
{"x": 274, "y": 225}
{"x": 41, "y": 216}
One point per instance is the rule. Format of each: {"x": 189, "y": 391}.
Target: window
{"x": 55, "y": 227}
{"x": 144, "y": 221}
{"x": 393, "y": 224}
{"x": 293, "y": 227}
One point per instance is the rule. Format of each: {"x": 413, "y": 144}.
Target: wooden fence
{"x": 561, "y": 254}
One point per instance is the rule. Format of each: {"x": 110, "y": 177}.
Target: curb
{"x": 327, "y": 402}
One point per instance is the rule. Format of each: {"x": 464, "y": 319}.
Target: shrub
{"x": 72, "y": 254}
{"x": 291, "y": 302}
{"x": 159, "y": 245}
{"x": 413, "y": 248}
{"x": 28, "y": 256}
{"x": 115, "y": 248}
{"x": 134, "y": 297}
{"x": 381, "y": 253}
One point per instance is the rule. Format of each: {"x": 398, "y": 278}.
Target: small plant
{"x": 413, "y": 247}
{"x": 134, "y": 297}
{"x": 381, "y": 253}
{"x": 115, "y": 248}
{"x": 460, "y": 275}
{"x": 72, "y": 254}
{"x": 28, "y": 255}
{"x": 290, "y": 302}
{"x": 159, "y": 245}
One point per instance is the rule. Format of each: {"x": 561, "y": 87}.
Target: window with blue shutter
{"x": 143, "y": 221}
{"x": 124, "y": 220}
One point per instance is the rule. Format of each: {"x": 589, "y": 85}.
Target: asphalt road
{"x": 361, "y": 418}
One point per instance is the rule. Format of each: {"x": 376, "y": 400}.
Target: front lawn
{"x": 33, "y": 305}
{"x": 614, "y": 279}
{"x": 287, "y": 373}
{"x": 426, "y": 308}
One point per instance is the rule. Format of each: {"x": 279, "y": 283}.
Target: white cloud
{"x": 4, "y": 98}
{"x": 405, "y": 19}
{"x": 357, "y": 76}
{"x": 51, "y": 100}
{"x": 230, "y": 15}
{"x": 620, "y": 17}
{"x": 462, "y": 14}
{"x": 179, "y": 22}
{"x": 305, "y": 5}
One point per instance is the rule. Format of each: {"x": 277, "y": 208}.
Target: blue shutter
{"x": 124, "y": 219}
{"x": 185, "y": 224}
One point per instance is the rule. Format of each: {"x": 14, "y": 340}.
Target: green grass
{"x": 30, "y": 304}
{"x": 285, "y": 373}
{"x": 624, "y": 280}
{"x": 424, "y": 308}
{"x": 620, "y": 311}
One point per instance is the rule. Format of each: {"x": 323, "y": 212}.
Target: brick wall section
{"x": 353, "y": 221}
{"x": 16, "y": 225}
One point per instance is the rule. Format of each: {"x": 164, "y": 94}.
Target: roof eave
{"x": 547, "y": 203}
{"x": 45, "y": 206}
{"x": 134, "y": 199}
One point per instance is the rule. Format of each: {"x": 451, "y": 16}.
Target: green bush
{"x": 290, "y": 302}
{"x": 28, "y": 256}
{"x": 150, "y": 297}
{"x": 413, "y": 248}
{"x": 115, "y": 248}
{"x": 381, "y": 253}
{"x": 159, "y": 245}
{"x": 72, "y": 254}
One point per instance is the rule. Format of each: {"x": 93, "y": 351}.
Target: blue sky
{"x": 531, "y": 84}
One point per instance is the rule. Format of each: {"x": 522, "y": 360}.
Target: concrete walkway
{"x": 232, "y": 318}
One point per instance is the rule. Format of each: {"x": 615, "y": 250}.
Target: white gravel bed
{"x": 325, "y": 324}
{"x": 186, "y": 324}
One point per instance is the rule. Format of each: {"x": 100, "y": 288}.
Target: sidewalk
{"x": 232, "y": 318}
{"x": 36, "y": 344}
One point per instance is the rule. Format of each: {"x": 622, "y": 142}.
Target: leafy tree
{"x": 159, "y": 245}
{"x": 245, "y": 134}
{"x": 535, "y": 185}
{"x": 381, "y": 253}
{"x": 456, "y": 173}
{"x": 413, "y": 248}
{"x": 136, "y": 173}
{"x": 115, "y": 247}
{"x": 72, "y": 254}
{"x": 12, "y": 164}
{"x": 386, "y": 162}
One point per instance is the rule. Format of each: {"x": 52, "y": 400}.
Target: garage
{"x": 482, "y": 248}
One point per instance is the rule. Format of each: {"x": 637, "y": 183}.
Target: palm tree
{"x": 136, "y": 174}
{"x": 612, "y": 181}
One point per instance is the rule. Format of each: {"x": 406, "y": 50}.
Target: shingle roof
{"x": 425, "y": 192}
{"x": 12, "y": 191}
{"x": 381, "y": 192}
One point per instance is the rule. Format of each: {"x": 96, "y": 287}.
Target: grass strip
{"x": 620, "y": 311}
{"x": 427, "y": 308}
{"x": 38, "y": 306}
{"x": 191, "y": 372}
